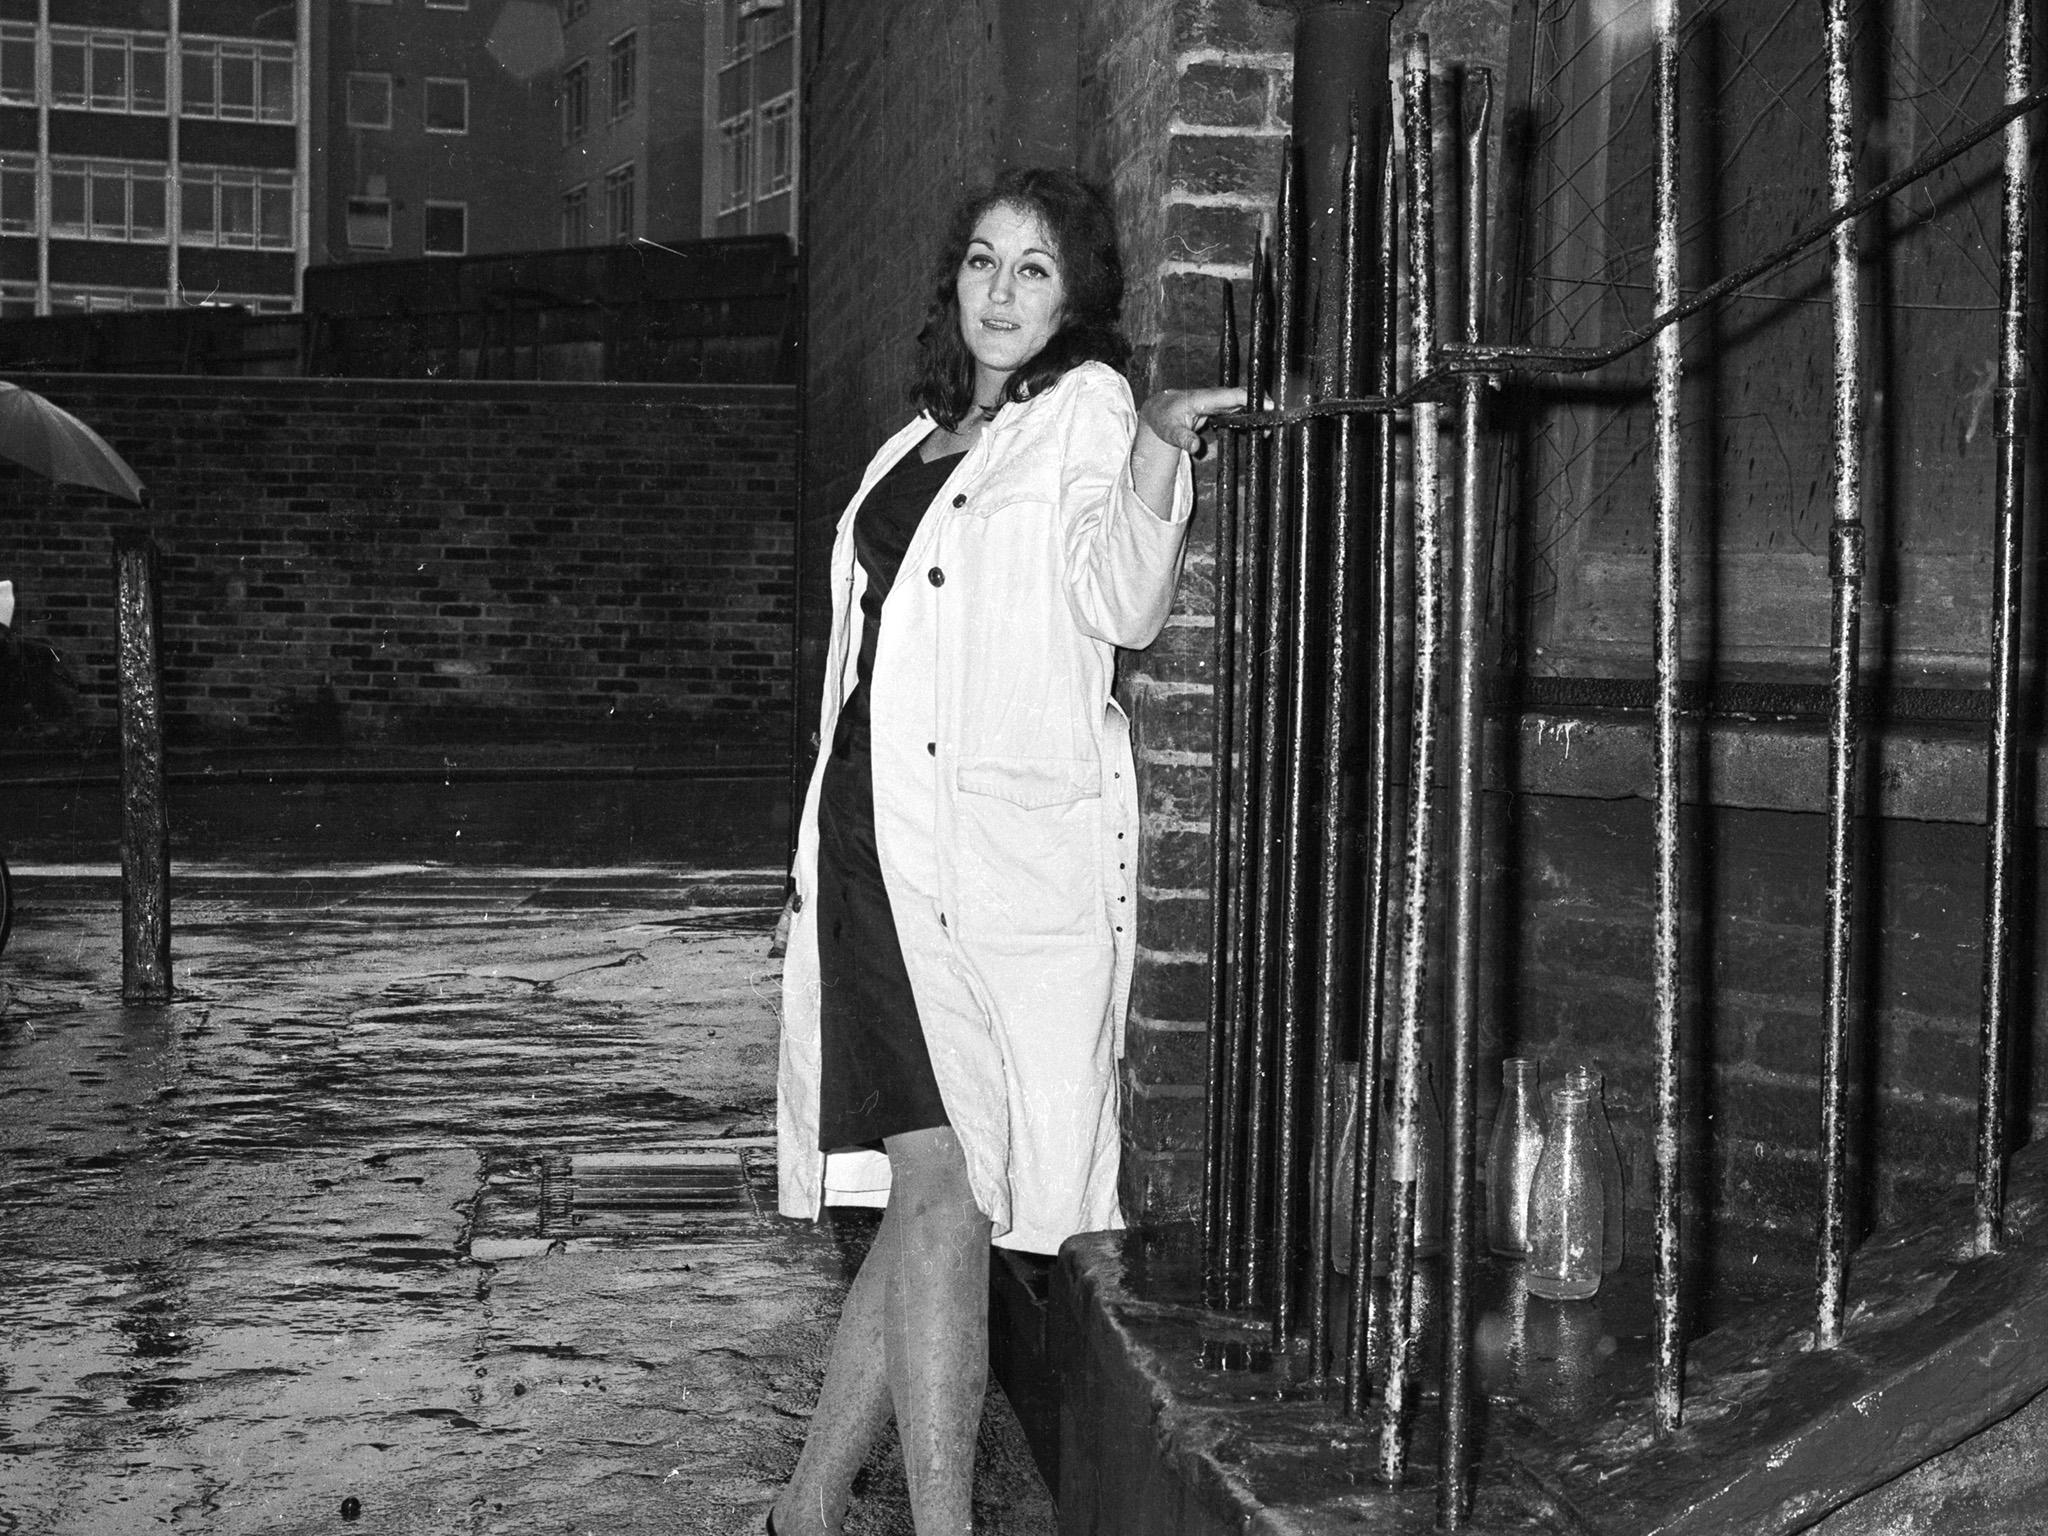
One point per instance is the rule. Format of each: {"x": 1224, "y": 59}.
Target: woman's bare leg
{"x": 913, "y": 1334}
{"x": 853, "y": 1405}
{"x": 935, "y": 1324}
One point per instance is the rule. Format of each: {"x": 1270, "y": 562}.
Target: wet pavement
{"x": 438, "y": 1200}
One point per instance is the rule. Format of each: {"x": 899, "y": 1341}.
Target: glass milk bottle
{"x": 1567, "y": 1219}
{"x": 1613, "y": 1184}
{"x": 1511, "y": 1159}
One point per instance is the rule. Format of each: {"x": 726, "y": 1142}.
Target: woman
{"x": 960, "y": 950}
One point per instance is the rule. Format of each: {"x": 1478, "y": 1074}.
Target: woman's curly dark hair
{"x": 1078, "y": 218}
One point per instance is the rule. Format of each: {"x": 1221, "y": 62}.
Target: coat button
{"x": 932, "y": 748}
{"x": 936, "y": 577}
{"x": 960, "y": 500}
{"x": 796, "y": 902}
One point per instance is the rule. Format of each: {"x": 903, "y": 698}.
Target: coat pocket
{"x": 1027, "y": 855}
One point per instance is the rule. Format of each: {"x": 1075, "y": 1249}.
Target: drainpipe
{"x": 1340, "y": 57}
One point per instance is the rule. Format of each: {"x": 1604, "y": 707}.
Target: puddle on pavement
{"x": 235, "y": 1232}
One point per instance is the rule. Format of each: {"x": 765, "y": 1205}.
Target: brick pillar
{"x": 1229, "y": 101}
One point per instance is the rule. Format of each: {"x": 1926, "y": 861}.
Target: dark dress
{"x": 876, "y": 1075}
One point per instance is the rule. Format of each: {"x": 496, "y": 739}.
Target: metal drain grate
{"x": 582, "y": 1193}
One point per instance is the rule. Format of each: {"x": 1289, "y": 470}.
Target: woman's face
{"x": 1011, "y": 295}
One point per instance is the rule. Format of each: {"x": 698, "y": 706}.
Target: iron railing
{"x": 1319, "y": 935}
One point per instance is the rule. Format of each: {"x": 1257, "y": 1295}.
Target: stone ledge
{"x": 1777, "y": 1433}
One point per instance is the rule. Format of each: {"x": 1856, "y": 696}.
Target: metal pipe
{"x": 145, "y": 827}
{"x": 1669, "y": 1368}
{"x": 1248, "y": 998}
{"x": 1309, "y": 639}
{"x": 1220, "y": 1128}
{"x": 1263, "y": 1179}
{"x": 1336, "y": 946}
{"x": 1363, "y": 1319}
{"x": 1846, "y": 572}
{"x": 1422, "y": 810}
{"x": 2001, "y": 886}
{"x": 1244, "y": 1007}
{"x": 1468, "y": 710}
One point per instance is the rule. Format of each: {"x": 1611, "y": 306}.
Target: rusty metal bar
{"x": 1846, "y": 573}
{"x": 2001, "y": 883}
{"x": 1468, "y": 771}
{"x": 1221, "y": 1119}
{"x": 1336, "y": 941}
{"x": 1243, "y": 978}
{"x": 1307, "y": 641}
{"x": 1263, "y": 1178}
{"x": 1424, "y": 754}
{"x": 1378, "y": 831}
{"x": 1669, "y": 1369}
{"x": 145, "y": 828}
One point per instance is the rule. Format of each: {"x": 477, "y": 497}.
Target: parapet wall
{"x": 426, "y": 561}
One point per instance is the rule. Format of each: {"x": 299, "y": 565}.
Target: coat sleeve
{"x": 1122, "y": 558}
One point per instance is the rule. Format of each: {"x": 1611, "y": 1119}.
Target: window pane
{"x": 147, "y": 206}
{"x": 195, "y": 211}
{"x": 198, "y": 82}
{"x": 369, "y": 223}
{"x": 237, "y": 214}
{"x": 17, "y": 200}
{"x": 147, "y": 65}
{"x": 447, "y": 106}
{"x": 447, "y": 229}
{"x": 18, "y": 68}
{"x": 277, "y": 91}
{"x": 67, "y": 71}
{"x": 237, "y": 87}
{"x": 67, "y": 202}
{"x": 110, "y": 204}
{"x": 110, "y": 73}
{"x": 276, "y": 207}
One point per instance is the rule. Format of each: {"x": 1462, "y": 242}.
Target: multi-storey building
{"x": 629, "y": 123}
{"x": 152, "y": 153}
{"x": 434, "y": 128}
{"x": 751, "y": 104}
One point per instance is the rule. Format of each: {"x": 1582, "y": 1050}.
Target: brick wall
{"x": 1195, "y": 104}
{"x": 433, "y": 561}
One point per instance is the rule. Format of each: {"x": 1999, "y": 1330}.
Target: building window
{"x": 447, "y": 229}
{"x": 17, "y": 300}
{"x": 618, "y": 203}
{"x": 575, "y": 214}
{"x": 447, "y": 106}
{"x": 369, "y": 223}
{"x": 736, "y": 143}
{"x": 447, "y": 5}
{"x": 17, "y": 195}
{"x": 233, "y": 207}
{"x": 70, "y": 299}
{"x": 107, "y": 200}
{"x": 18, "y": 63}
{"x": 575, "y": 101}
{"x": 574, "y": 10}
{"x": 622, "y": 73}
{"x": 778, "y": 145}
{"x": 103, "y": 71}
{"x": 369, "y": 101}
{"x": 239, "y": 82}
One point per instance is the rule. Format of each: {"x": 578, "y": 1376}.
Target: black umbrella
{"x": 53, "y": 442}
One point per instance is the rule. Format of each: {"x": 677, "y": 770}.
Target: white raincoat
{"x": 1006, "y": 813}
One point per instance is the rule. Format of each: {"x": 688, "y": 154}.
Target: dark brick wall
{"x": 1195, "y": 100}
{"x": 433, "y": 561}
